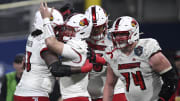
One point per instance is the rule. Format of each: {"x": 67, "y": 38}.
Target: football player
{"x": 139, "y": 63}
{"x": 37, "y": 80}
{"x": 73, "y": 49}
{"x": 98, "y": 41}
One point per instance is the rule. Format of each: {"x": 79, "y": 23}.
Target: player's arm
{"x": 52, "y": 43}
{"x": 162, "y": 65}
{"x": 111, "y": 80}
{"x": 95, "y": 58}
{"x": 58, "y": 69}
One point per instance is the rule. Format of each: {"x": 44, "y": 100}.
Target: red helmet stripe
{"x": 94, "y": 15}
{"x": 117, "y": 23}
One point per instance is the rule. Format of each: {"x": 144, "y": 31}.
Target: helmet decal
{"x": 51, "y": 18}
{"x": 94, "y": 15}
{"x": 84, "y": 22}
{"x": 133, "y": 23}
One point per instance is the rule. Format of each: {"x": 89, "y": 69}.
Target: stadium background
{"x": 159, "y": 19}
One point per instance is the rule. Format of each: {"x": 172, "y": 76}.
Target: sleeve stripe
{"x": 44, "y": 49}
{"x": 79, "y": 56}
{"x": 155, "y": 53}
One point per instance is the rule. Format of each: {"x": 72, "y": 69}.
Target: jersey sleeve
{"x": 70, "y": 53}
{"x": 151, "y": 47}
{"x": 74, "y": 49}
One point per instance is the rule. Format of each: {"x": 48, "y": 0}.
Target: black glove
{"x": 91, "y": 55}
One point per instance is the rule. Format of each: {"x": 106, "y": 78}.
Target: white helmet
{"x": 77, "y": 26}
{"x": 99, "y": 18}
{"x": 124, "y": 26}
{"x": 56, "y": 20}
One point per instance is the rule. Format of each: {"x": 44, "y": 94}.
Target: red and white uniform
{"x": 74, "y": 85}
{"x": 97, "y": 76}
{"x": 36, "y": 79}
{"x": 142, "y": 83}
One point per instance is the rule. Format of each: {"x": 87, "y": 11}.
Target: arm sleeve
{"x": 170, "y": 82}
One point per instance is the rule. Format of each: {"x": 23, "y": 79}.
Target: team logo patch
{"x": 84, "y": 22}
{"x": 138, "y": 50}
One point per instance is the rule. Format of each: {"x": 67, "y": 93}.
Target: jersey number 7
{"x": 28, "y": 64}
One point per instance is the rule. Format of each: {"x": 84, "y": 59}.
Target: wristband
{"x": 48, "y": 30}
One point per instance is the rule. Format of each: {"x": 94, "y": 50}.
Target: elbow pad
{"x": 59, "y": 70}
{"x": 170, "y": 81}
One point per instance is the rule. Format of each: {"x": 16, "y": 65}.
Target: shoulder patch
{"x": 138, "y": 50}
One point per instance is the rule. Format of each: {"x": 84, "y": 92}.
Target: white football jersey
{"x": 142, "y": 83}
{"x": 97, "y": 76}
{"x": 36, "y": 79}
{"x": 74, "y": 85}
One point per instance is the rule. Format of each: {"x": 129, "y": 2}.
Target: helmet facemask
{"x": 58, "y": 32}
{"x": 120, "y": 39}
{"x": 98, "y": 32}
{"x": 68, "y": 33}
{"x": 77, "y": 27}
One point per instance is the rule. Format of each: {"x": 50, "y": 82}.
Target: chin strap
{"x": 111, "y": 52}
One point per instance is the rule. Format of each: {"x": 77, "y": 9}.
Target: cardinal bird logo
{"x": 84, "y": 22}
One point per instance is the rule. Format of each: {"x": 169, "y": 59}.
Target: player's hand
{"x": 44, "y": 10}
{"x": 87, "y": 67}
{"x": 95, "y": 58}
{"x": 100, "y": 60}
